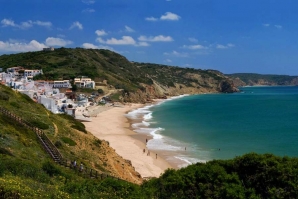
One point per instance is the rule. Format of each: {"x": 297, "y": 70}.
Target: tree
{"x": 100, "y": 91}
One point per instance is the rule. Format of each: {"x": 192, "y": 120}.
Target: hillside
{"x": 27, "y": 171}
{"x": 251, "y": 79}
{"x": 23, "y": 158}
{"x": 138, "y": 82}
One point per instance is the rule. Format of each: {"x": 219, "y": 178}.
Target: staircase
{"x": 51, "y": 149}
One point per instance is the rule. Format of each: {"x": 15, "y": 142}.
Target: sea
{"x": 198, "y": 128}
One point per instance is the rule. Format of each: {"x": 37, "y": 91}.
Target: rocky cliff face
{"x": 250, "y": 79}
{"x": 159, "y": 91}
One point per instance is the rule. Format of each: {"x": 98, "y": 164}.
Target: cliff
{"x": 251, "y": 79}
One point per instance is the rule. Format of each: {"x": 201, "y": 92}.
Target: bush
{"x": 39, "y": 124}
{"x": 4, "y": 96}
{"x": 79, "y": 126}
{"x": 58, "y": 144}
{"x": 50, "y": 169}
{"x": 15, "y": 104}
{"x": 68, "y": 141}
{"x": 5, "y": 152}
{"x": 97, "y": 143}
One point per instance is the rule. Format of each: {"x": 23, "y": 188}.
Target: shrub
{"x": 97, "y": 143}
{"x": 79, "y": 126}
{"x": 50, "y": 169}
{"x": 4, "y": 96}
{"x": 58, "y": 144}
{"x": 39, "y": 124}
{"x": 68, "y": 141}
{"x": 15, "y": 104}
{"x": 5, "y": 152}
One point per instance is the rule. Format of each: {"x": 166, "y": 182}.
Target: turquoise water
{"x": 222, "y": 126}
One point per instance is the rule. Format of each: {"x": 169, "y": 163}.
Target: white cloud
{"x": 125, "y": 40}
{"x": 266, "y": 24}
{"x": 128, "y": 29}
{"x": 21, "y": 47}
{"x": 52, "y": 41}
{"x": 176, "y": 54}
{"x": 191, "y": 39}
{"x": 143, "y": 43}
{"x": 76, "y": 25}
{"x": 88, "y": 10}
{"x": 25, "y": 24}
{"x": 88, "y": 2}
{"x": 170, "y": 16}
{"x": 194, "y": 47}
{"x": 43, "y": 23}
{"x": 159, "y": 38}
{"x": 151, "y": 19}
{"x": 100, "y": 32}
{"x": 220, "y": 46}
{"x": 168, "y": 61}
{"x": 92, "y": 46}
{"x": 8, "y": 22}
{"x": 278, "y": 26}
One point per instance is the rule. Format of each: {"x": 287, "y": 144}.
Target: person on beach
{"x": 185, "y": 148}
{"x": 156, "y": 156}
{"x": 144, "y": 150}
{"x": 146, "y": 140}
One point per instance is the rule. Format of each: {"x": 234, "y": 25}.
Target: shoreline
{"x": 112, "y": 125}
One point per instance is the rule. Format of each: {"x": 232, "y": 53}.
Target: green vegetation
{"x": 106, "y": 66}
{"x": 248, "y": 176}
{"x": 68, "y": 141}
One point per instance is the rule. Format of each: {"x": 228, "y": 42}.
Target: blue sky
{"x": 258, "y": 36}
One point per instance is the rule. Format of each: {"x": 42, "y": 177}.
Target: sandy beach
{"x": 110, "y": 124}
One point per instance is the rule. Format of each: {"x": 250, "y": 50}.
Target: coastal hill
{"x": 252, "y": 79}
{"x": 27, "y": 171}
{"x": 135, "y": 82}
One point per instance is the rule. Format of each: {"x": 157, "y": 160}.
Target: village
{"x": 48, "y": 93}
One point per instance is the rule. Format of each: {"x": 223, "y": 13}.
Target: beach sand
{"x": 111, "y": 125}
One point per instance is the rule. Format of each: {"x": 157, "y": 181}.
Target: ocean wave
{"x": 160, "y": 144}
{"x": 139, "y": 113}
{"x": 152, "y": 131}
{"x": 145, "y": 123}
{"x": 188, "y": 160}
{"x": 148, "y": 116}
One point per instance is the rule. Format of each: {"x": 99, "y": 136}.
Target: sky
{"x": 232, "y": 36}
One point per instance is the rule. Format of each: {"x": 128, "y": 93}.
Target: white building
{"x": 48, "y": 49}
{"x": 62, "y": 84}
{"x": 84, "y": 82}
{"x": 32, "y": 73}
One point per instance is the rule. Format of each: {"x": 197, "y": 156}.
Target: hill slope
{"x": 22, "y": 154}
{"x": 251, "y": 79}
{"x": 144, "y": 81}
